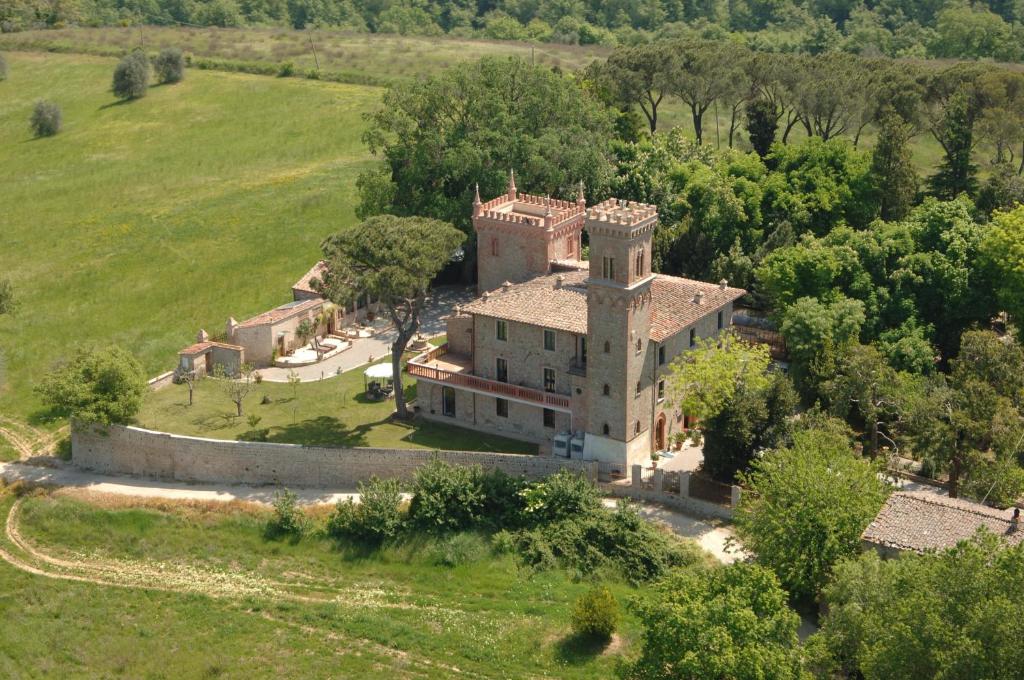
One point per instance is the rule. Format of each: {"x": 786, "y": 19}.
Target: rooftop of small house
{"x": 919, "y": 521}
{"x": 304, "y": 284}
{"x": 285, "y": 311}
{"x": 559, "y": 301}
{"x": 200, "y": 347}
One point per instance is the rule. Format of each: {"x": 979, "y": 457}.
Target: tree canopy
{"x": 392, "y": 260}
{"x": 96, "y": 386}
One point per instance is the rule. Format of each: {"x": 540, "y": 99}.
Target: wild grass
{"x": 142, "y": 222}
{"x": 396, "y": 612}
{"x": 331, "y": 412}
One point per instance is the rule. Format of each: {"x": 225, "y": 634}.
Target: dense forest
{"x": 986, "y": 29}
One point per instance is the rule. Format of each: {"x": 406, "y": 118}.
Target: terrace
{"x": 438, "y": 366}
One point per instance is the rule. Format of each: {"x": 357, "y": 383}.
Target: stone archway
{"x": 659, "y": 433}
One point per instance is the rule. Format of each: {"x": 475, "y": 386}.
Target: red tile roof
{"x": 542, "y": 302}
{"x": 200, "y": 347}
{"x": 920, "y": 521}
{"x": 317, "y": 272}
{"x": 281, "y": 313}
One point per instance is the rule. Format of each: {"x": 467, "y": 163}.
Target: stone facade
{"x": 571, "y": 347}
{"x": 135, "y": 451}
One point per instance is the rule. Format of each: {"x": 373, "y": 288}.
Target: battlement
{"x": 626, "y": 213}
{"x": 530, "y": 210}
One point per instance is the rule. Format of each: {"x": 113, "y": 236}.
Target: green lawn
{"x": 144, "y": 221}
{"x": 331, "y": 412}
{"x": 390, "y": 613}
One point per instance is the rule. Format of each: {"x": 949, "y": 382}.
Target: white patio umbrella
{"x": 378, "y": 372}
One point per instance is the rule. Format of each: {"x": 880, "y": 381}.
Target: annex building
{"x": 569, "y": 353}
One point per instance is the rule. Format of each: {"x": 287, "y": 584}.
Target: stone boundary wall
{"x": 686, "y": 504}
{"x": 161, "y": 381}
{"x": 134, "y": 451}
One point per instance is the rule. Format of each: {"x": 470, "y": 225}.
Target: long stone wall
{"x": 146, "y": 453}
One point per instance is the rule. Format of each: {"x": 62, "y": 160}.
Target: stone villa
{"x": 564, "y": 352}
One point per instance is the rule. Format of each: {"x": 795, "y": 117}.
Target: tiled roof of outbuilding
{"x": 542, "y": 302}
{"x": 281, "y": 313}
{"x": 317, "y": 272}
{"x": 920, "y": 521}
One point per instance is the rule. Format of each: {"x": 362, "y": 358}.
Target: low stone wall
{"x": 146, "y": 453}
{"x": 161, "y": 381}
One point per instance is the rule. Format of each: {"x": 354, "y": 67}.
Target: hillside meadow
{"x": 143, "y": 221}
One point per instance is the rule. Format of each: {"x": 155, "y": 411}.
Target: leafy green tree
{"x": 814, "y": 332}
{"x": 806, "y": 508}
{"x": 236, "y": 386}
{"x": 639, "y": 75}
{"x": 750, "y": 422}
{"x": 131, "y": 76}
{"x": 470, "y": 124}
{"x": 893, "y": 168}
{"x": 704, "y": 72}
{"x": 96, "y": 386}
{"x": 169, "y": 65}
{"x": 952, "y": 614}
{"x": 702, "y": 381}
{"x": 724, "y": 622}
{"x": 46, "y": 119}
{"x": 392, "y": 260}
{"x": 1003, "y": 251}
{"x": 762, "y": 125}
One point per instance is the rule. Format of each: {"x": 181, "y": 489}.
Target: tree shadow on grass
{"x": 117, "y": 102}
{"x": 576, "y": 649}
{"x": 321, "y": 431}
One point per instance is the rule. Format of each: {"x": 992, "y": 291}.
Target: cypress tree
{"x": 956, "y": 174}
{"x": 891, "y": 167}
{"x": 762, "y": 124}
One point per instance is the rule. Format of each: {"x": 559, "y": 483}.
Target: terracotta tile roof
{"x": 281, "y": 313}
{"x": 201, "y": 347}
{"x": 317, "y": 272}
{"x": 539, "y": 302}
{"x": 675, "y": 307}
{"x": 920, "y": 521}
{"x": 542, "y": 303}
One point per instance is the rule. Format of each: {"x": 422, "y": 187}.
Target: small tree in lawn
{"x": 294, "y": 379}
{"x": 46, "y": 119}
{"x": 236, "y": 388}
{"x": 391, "y": 259}
{"x": 97, "y": 386}
{"x": 189, "y": 378}
{"x": 169, "y": 65}
{"x": 131, "y": 76}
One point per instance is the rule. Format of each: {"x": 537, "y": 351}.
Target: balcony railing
{"x": 418, "y": 368}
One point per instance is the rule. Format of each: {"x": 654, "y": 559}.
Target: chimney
{"x": 559, "y": 281}
{"x": 232, "y": 325}
{"x": 723, "y": 284}
{"x": 485, "y": 296}
{"x": 581, "y": 200}
{"x": 477, "y": 206}
{"x": 549, "y": 217}
{"x": 202, "y": 336}
{"x": 699, "y": 297}
{"x": 506, "y": 286}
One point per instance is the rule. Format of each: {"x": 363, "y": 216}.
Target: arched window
{"x": 638, "y": 388}
{"x": 494, "y": 247}
{"x": 605, "y": 429}
{"x": 607, "y": 390}
{"x": 636, "y": 428}
{"x": 639, "y": 346}
{"x": 607, "y": 347}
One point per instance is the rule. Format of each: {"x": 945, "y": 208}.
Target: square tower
{"x": 618, "y": 330}
{"x": 519, "y": 235}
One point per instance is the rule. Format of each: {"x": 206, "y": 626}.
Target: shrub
{"x": 563, "y": 495}
{"x": 457, "y": 549}
{"x": 46, "y": 119}
{"x": 96, "y": 386}
{"x": 286, "y": 70}
{"x": 288, "y": 519}
{"x": 376, "y": 518}
{"x": 447, "y": 497}
{"x": 169, "y": 65}
{"x": 595, "y": 614}
{"x": 131, "y": 76}
{"x": 504, "y": 501}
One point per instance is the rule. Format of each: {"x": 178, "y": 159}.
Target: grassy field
{"x": 332, "y": 412}
{"x": 142, "y": 222}
{"x": 209, "y": 596}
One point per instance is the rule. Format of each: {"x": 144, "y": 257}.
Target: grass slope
{"x": 141, "y": 222}
{"x": 332, "y": 412}
{"x": 397, "y": 612}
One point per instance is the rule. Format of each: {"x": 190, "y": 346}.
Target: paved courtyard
{"x": 365, "y": 350}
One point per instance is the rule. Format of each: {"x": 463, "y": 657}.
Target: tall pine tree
{"x": 762, "y": 124}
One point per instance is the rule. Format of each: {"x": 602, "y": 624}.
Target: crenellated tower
{"x": 519, "y": 235}
{"x": 618, "y": 330}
